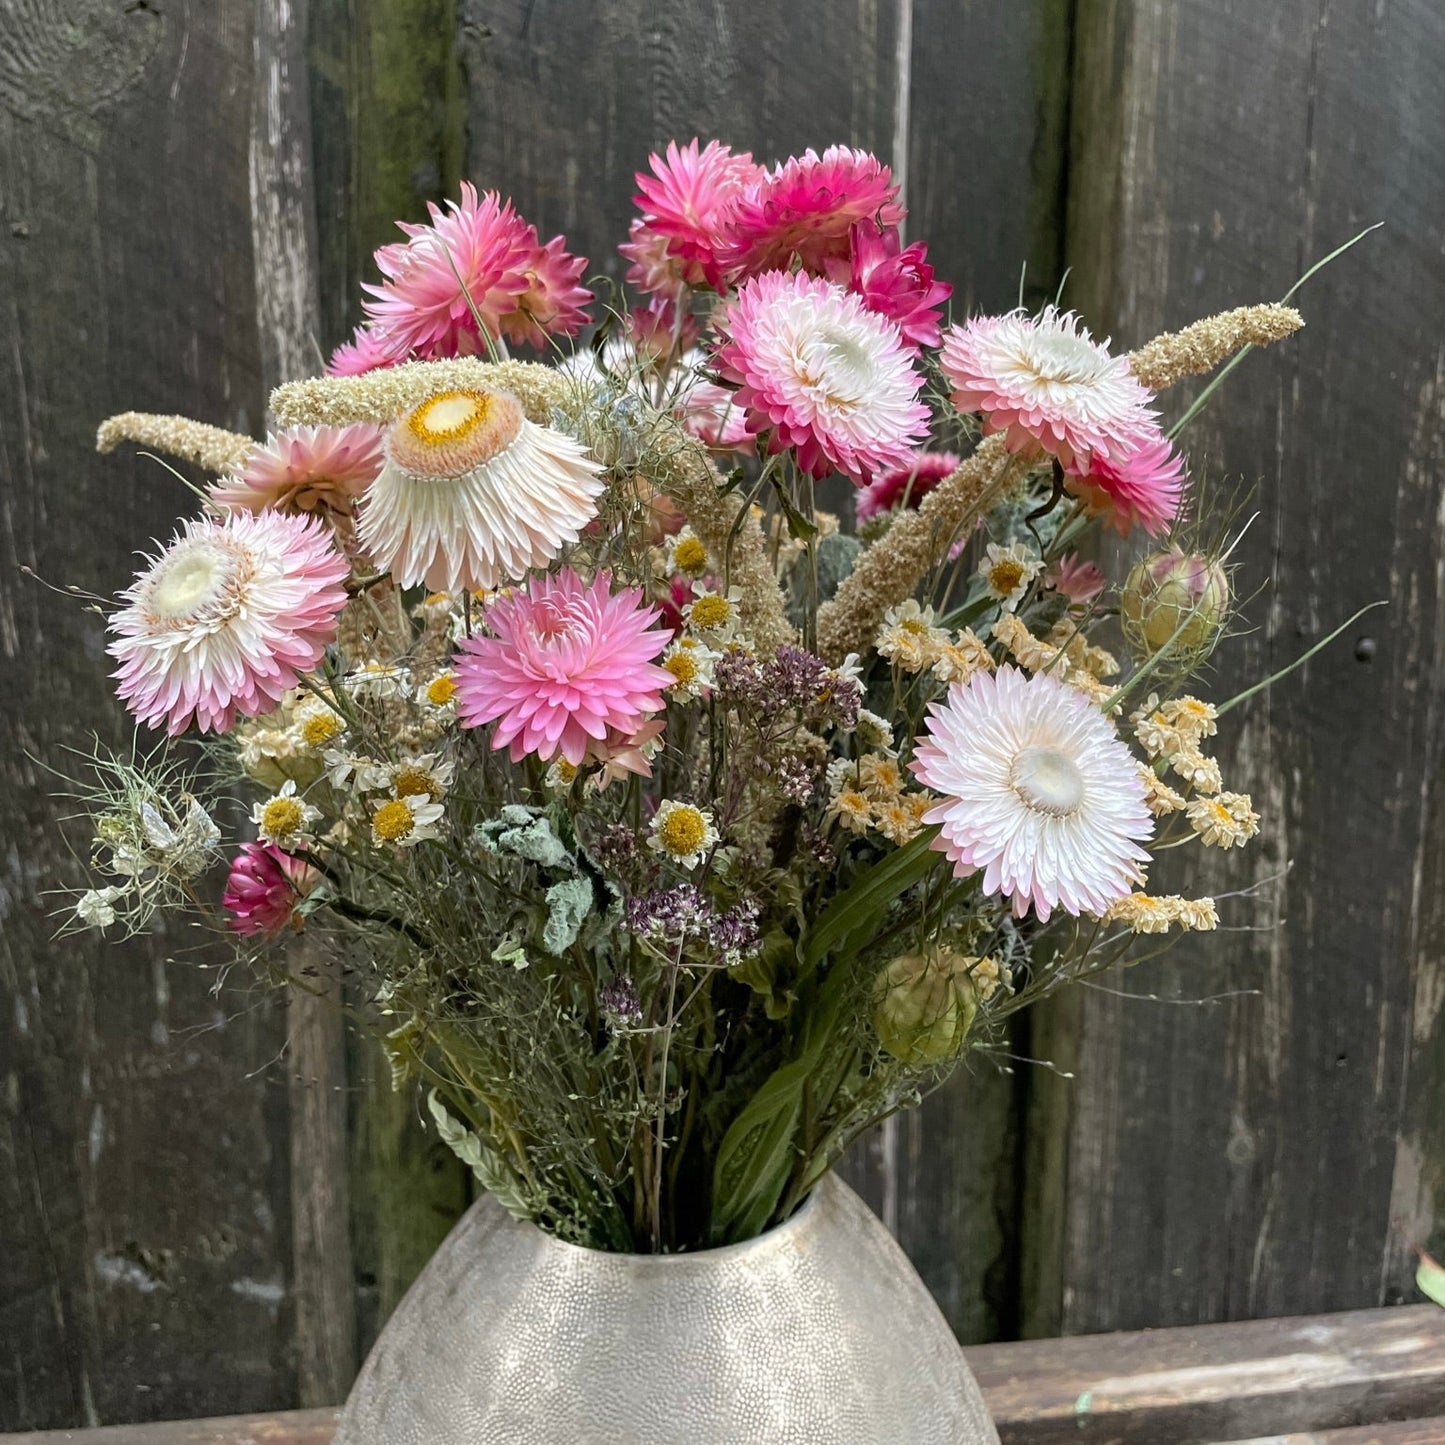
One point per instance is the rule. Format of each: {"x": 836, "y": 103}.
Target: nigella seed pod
{"x": 926, "y": 1005}
{"x": 1175, "y": 600}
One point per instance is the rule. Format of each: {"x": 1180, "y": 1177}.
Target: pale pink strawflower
{"x": 686, "y": 201}
{"x": 1038, "y": 793}
{"x": 477, "y": 270}
{"x": 322, "y": 470}
{"x": 264, "y": 888}
{"x": 226, "y": 619}
{"x": 473, "y": 494}
{"x": 905, "y": 485}
{"x": 1076, "y": 579}
{"x": 805, "y": 208}
{"x": 896, "y": 282}
{"x": 566, "y": 666}
{"x": 822, "y": 374}
{"x": 651, "y": 265}
{"x": 1047, "y": 385}
{"x": 367, "y": 350}
{"x": 1142, "y": 486}
{"x": 711, "y": 413}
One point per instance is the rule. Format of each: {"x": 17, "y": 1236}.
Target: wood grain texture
{"x": 143, "y": 1236}
{"x": 1218, "y": 1382}
{"x": 1279, "y": 1150}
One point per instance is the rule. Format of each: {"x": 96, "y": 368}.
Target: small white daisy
{"x": 405, "y": 822}
{"x": 285, "y": 819}
{"x": 692, "y": 663}
{"x": 682, "y": 833}
{"x": 713, "y": 616}
{"x": 1007, "y": 571}
{"x": 375, "y": 681}
{"x": 685, "y": 553}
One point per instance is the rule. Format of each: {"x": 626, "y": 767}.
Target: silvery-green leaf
{"x": 568, "y": 903}
{"x": 491, "y": 1170}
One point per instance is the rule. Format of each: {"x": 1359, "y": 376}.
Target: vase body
{"x": 818, "y": 1332}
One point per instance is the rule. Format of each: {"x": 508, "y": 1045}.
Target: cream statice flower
{"x": 959, "y": 659}
{"x": 473, "y": 494}
{"x": 1007, "y": 571}
{"x": 1159, "y": 797}
{"x": 1038, "y": 792}
{"x": 682, "y": 833}
{"x": 1146, "y": 913}
{"x": 910, "y": 638}
{"x": 285, "y": 819}
{"x": 226, "y": 618}
{"x": 1200, "y": 772}
{"x": 1227, "y": 820}
{"x": 692, "y": 663}
{"x": 405, "y": 822}
{"x": 820, "y": 373}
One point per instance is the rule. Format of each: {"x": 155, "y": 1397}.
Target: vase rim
{"x": 792, "y": 1225}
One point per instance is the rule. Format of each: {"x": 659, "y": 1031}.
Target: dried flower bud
{"x": 926, "y": 1004}
{"x": 1171, "y": 592}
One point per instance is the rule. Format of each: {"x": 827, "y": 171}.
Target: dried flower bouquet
{"x": 668, "y": 834}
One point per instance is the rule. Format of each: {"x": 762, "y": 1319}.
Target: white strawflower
{"x": 473, "y": 494}
{"x": 1038, "y": 792}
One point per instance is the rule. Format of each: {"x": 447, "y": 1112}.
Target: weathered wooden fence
{"x": 195, "y": 1218}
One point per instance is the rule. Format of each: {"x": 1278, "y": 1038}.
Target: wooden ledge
{"x": 1371, "y": 1377}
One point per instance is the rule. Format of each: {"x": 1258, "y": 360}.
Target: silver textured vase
{"x": 819, "y": 1332}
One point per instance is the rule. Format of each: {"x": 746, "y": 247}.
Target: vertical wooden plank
{"x": 1276, "y": 1153}
{"x": 284, "y": 247}
{"x": 388, "y": 133}
{"x": 143, "y": 1265}
{"x": 566, "y": 99}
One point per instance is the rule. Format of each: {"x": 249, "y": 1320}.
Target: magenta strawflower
{"x": 478, "y": 267}
{"x": 804, "y": 209}
{"x": 686, "y": 201}
{"x": 896, "y": 282}
{"x": 226, "y": 619}
{"x": 1143, "y": 485}
{"x": 264, "y": 888}
{"x": 822, "y": 374}
{"x": 1048, "y": 386}
{"x": 566, "y": 664}
{"x": 652, "y": 267}
{"x": 322, "y": 470}
{"x": 905, "y": 485}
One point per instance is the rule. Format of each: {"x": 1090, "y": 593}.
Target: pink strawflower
{"x": 822, "y": 374}
{"x": 322, "y": 470}
{"x": 804, "y": 209}
{"x": 660, "y": 331}
{"x": 554, "y": 303}
{"x": 226, "y": 619}
{"x": 652, "y": 266}
{"x": 367, "y": 350}
{"x": 1144, "y": 485}
{"x": 1075, "y": 579}
{"x": 711, "y": 413}
{"x": 1038, "y": 793}
{"x": 897, "y": 282}
{"x": 908, "y": 484}
{"x": 477, "y": 259}
{"x": 566, "y": 665}
{"x": 264, "y": 888}
{"x": 686, "y": 201}
{"x": 1047, "y": 385}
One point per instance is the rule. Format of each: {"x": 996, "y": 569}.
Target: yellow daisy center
{"x": 1005, "y": 575}
{"x": 415, "y": 783}
{"x": 690, "y": 556}
{"x": 682, "y": 667}
{"x": 282, "y": 817}
{"x": 441, "y": 690}
{"x": 455, "y": 432}
{"x": 393, "y": 821}
{"x": 320, "y": 728}
{"x": 710, "y": 610}
{"x": 682, "y": 831}
{"x": 565, "y": 770}
{"x": 914, "y": 626}
{"x": 1221, "y": 813}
